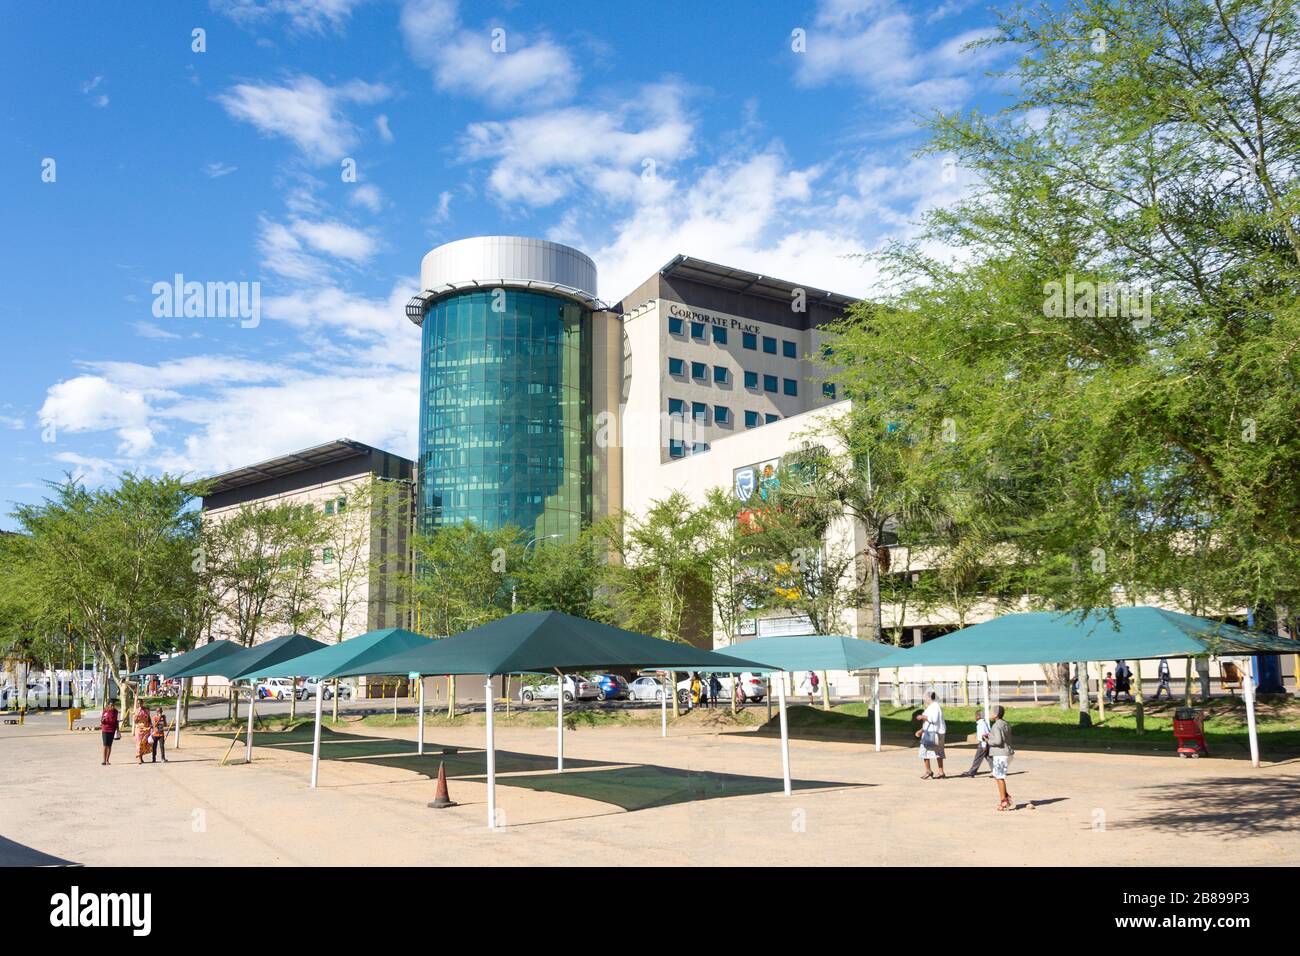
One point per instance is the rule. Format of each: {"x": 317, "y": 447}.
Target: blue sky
{"x": 634, "y": 131}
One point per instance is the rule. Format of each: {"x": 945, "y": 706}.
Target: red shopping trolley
{"x": 1189, "y": 731}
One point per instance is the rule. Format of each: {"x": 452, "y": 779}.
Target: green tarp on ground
{"x": 235, "y": 666}
{"x": 1049, "y": 637}
{"x": 543, "y": 642}
{"x": 334, "y": 660}
{"x": 833, "y": 653}
{"x": 208, "y": 653}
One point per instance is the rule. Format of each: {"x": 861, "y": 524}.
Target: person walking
{"x": 981, "y": 745}
{"x": 1162, "y": 672}
{"x": 1121, "y": 681}
{"x": 737, "y": 691}
{"x": 108, "y": 730}
{"x": 932, "y": 733}
{"x": 1110, "y": 687}
{"x": 143, "y": 731}
{"x": 1000, "y": 754}
{"x": 159, "y": 736}
{"x": 715, "y": 686}
{"x": 695, "y": 690}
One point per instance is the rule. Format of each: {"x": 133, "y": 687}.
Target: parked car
{"x": 576, "y": 687}
{"x": 308, "y": 690}
{"x": 280, "y": 688}
{"x": 646, "y": 688}
{"x": 609, "y": 686}
{"x": 752, "y": 686}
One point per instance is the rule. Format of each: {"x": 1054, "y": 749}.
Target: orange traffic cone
{"x": 440, "y": 799}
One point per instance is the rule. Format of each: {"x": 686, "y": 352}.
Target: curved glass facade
{"x": 505, "y": 412}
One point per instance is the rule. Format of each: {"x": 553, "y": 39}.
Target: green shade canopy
{"x": 1048, "y": 637}
{"x": 236, "y": 666}
{"x": 212, "y": 651}
{"x": 543, "y": 641}
{"x": 834, "y": 653}
{"x": 334, "y": 660}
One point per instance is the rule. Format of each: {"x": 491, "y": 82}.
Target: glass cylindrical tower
{"x": 505, "y": 385}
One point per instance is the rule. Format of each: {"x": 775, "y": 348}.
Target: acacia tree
{"x": 460, "y": 578}
{"x": 659, "y": 568}
{"x": 109, "y": 563}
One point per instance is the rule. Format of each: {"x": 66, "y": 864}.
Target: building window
{"x": 676, "y": 448}
{"x": 699, "y": 371}
{"x": 700, "y": 412}
{"x": 788, "y": 349}
{"x": 772, "y": 418}
{"x": 790, "y": 386}
{"x": 329, "y": 507}
{"x": 676, "y": 366}
{"x": 721, "y": 376}
{"x": 751, "y": 380}
{"x": 722, "y": 414}
{"x": 676, "y": 406}
{"x": 675, "y": 326}
{"x": 828, "y": 390}
{"x": 751, "y": 419}
{"x": 699, "y": 447}
{"x": 697, "y": 330}
{"x": 342, "y": 505}
{"x": 769, "y": 345}
{"x": 769, "y": 383}
{"x": 749, "y": 340}
{"x": 719, "y": 335}
{"x": 327, "y": 556}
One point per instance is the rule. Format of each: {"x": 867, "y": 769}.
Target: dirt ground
{"x": 626, "y": 797}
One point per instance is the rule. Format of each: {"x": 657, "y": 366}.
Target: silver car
{"x": 645, "y": 688}
{"x": 576, "y": 687}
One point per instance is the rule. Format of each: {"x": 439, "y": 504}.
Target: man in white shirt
{"x": 981, "y": 745}
{"x": 931, "y": 733}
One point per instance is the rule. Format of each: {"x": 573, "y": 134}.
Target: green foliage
{"x": 461, "y": 576}
{"x": 1155, "y": 146}
{"x": 559, "y": 575}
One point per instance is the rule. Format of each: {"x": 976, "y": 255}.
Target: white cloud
{"x": 147, "y": 330}
{"x": 381, "y": 124}
{"x": 216, "y": 170}
{"x": 443, "y": 212}
{"x": 626, "y": 153}
{"x": 90, "y": 86}
{"x": 497, "y": 65}
{"x": 90, "y": 471}
{"x": 306, "y": 15}
{"x": 295, "y": 249}
{"x": 367, "y": 195}
{"x": 304, "y": 110}
{"x": 879, "y": 46}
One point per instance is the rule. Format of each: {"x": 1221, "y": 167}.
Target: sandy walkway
{"x": 683, "y": 801}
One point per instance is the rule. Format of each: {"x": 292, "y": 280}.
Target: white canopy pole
{"x": 875, "y": 705}
{"x": 176, "y": 744}
{"x": 1248, "y": 691}
{"x": 663, "y": 703}
{"x": 252, "y": 703}
{"x": 491, "y": 756}
{"x": 315, "y": 740}
{"x": 988, "y": 699}
{"x": 419, "y": 745}
{"x": 559, "y": 723}
{"x": 785, "y": 735}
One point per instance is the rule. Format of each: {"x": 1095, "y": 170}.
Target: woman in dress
{"x": 143, "y": 732}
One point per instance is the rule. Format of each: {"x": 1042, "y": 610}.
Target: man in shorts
{"x": 932, "y": 733}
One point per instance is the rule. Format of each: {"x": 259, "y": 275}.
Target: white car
{"x": 576, "y": 687}
{"x": 752, "y": 686}
{"x": 646, "y": 688}
{"x": 308, "y": 690}
{"x": 279, "y": 688}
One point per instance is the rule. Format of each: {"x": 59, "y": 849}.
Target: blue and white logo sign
{"x": 746, "y": 482}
